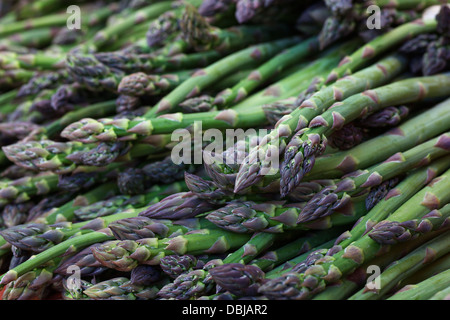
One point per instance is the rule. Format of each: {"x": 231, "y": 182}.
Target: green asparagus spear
{"x": 327, "y": 200}
{"x": 401, "y": 268}
{"x": 424, "y": 290}
{"x": 301, "y": 151}
{"x": 371, "y": 77}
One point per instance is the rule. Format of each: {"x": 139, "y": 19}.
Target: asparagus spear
{"x": 210, "y": 8}
{"x": 110, "y": 33}
{"x": 127, "y": 254}
{"x": 327, "y": 200}
{"x": 245, "y": 279}
{"x": 416, "y": 130}
{"x": 38, "y": 237}
{"x": 38, "y": 60}
{"x": 69, "y": 246}
{"x": 14, "y": 78}
{"x": 301, "y": 151}
{"x": 395, "y": 198}
{"x": 43, "y": 81}
{"x": 371, "y": 77}
{"x": 444, "y": 294}
{"x": 198, "y": 282}
{"x": 23, "y": 189}
{"x": 201, "y": 36}
{"x": 302, "y": 260}
{"x": 34, "y": 38}
{"x": 129, "y": 63}
{"x": 404, "y": 267}
{"x": 391, "y": 232}
{"x": 315, "y": 278}
{"x": 380, "y": 45}
{"x": 64, "y": 157}
{"x": 181, "y": 205}
{"x": 249, "y": 217}
{"x": 425, "y": 289}
{"x": 121, "y": 288}
{"x": 215, "y": 71}
{"x": 430, "y": 270}
{"x": 356, "y": 280}
{"x": 38, "y": 22}
{"x": 248, "y": 113}
{"x": 139, "y": 84}
{"x": 247, "y": 10}
{"x": 302, "y": 75}
{"x": 33, "y": 285}
{"x": 257, "y": 77}
{"x": 121, "y": 202}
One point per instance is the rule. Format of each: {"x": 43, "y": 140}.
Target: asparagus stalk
{"x": 38, "y": 22}
{"x": 14, "y": 78}
{"x": 38, "y": 60}
{"x": 66, "y": 211}
{"x": 249, "y": 217}
{"x": 112, "y": 32}
{"x": 127, "y": 254}
{"x": 213, "y": 193}
{"x": 416, "y": 130}
{"x": 327, "y": 200}
{"x": 95, "y": 110}
{"x": 354, "y": 281}
{"x": 380, "y": 45}
{"x": 260, "y": 75}
{"x": 38, "y": 237}
{"x": 69, "y": 246}
{"x": 301, "y": 260}
{"x": 301, "y": 151}
{"x": 315, "y": 278}
{"x": 23, "y": 189}
{"x": 444, "y": 294}
{"x": 150, "y": 63}
{"x": 198, "y": 282}
{"x": 57, "y": 19}
{"x": 394, "y": 199}
{"x": 424, "y": 290}
{"x": 245, "y": 279}
{"x": 406, "y": 266}
{"x": 121, "y": 202}
{"x": 201, "y": 36}
{"x": 139, "y": 84}
{"x": 33, "y": 285}
{"x": 175, "y": 265}
{"x": 64, "y": 157}
{"x": 302, "y": 76}
{"x": 248, "y": 113}
{"x": 392, "y": 232}
{"x": 370, "y": 77}
{"x": 34, "y": 38}
{"x": 430, "y": 270}
{"x": 40, "y": 82}
{"x": 203, "y": 78}
{"x": 121, "y": 288}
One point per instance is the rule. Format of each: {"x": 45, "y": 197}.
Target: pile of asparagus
{"x": 338, "y": 189}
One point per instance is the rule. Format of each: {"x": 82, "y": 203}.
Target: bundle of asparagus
{"x": 224, "y": 150}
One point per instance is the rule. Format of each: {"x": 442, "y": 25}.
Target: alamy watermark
{"x": 374, "y": 20}
{"x": 73, "y": 282}
{"x": 74, "y": 20}
{"x": 374, "y": 280}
